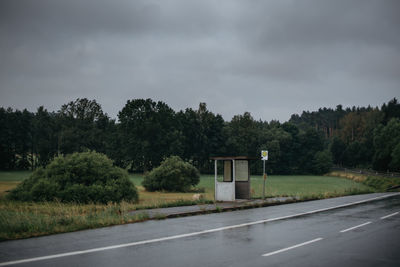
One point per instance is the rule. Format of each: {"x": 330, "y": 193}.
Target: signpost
{"x": 264, "y": 157}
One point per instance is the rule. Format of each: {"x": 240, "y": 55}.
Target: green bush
{"x": 79, "y": 177}
{"x": 173, "y": 175}
{"x": 322, "y": 162}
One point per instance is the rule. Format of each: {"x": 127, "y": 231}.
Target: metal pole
{"x": 215, "y": 179}
{"x": 234, "y": 180}
{"x": 264, "y": 179}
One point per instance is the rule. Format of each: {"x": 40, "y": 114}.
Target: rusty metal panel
{"x": 242, "y": 190}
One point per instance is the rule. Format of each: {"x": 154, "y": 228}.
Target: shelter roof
{"x": 234, "y": 158}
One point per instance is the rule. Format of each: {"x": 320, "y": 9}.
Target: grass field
{"x": 21, "y": 220}
{"x": 276, "y": 185}
{"x": 6, "y": 176}
{"x": 10, "y": 179}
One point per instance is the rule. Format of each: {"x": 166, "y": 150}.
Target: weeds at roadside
{"x": 377, "y": 183}
{"x": 348, "y": 192}
{"x": 27, "y": 219}
{"x": 177, "y": 203}
{"x": 159, "y": 216}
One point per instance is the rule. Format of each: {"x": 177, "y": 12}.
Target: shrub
{"x": 79, "y": 177}
{"x": 172, "y": 175}
{"x": 322, "y": 162}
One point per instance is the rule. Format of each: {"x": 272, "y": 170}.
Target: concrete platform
{"x": 212, "y": 208}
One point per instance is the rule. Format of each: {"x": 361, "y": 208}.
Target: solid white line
{"x": 72, "y": 253}
{"x": 390, "y": 215}
{"x": 354, "y": 227}
{"x": 292, "y": 247}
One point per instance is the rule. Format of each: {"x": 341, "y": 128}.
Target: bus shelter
{"x": 232, "y": 178}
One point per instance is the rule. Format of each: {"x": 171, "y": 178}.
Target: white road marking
{"x": 72, "y": 253}
{"x": 354, "y": 227}
{"x": 292, "y": 247}
{"x": 390, "y": 215}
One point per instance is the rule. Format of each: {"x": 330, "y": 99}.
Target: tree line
{"x": 147, "y": 132}
{"x": 363, "y": 137}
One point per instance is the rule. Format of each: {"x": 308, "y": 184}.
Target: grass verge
{"x": 21, "y": 219}
{"x": 26, "y": 219}
{"x": 377, "y": 183}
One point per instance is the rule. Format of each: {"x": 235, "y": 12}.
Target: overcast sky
{"x": 270, "y": 58}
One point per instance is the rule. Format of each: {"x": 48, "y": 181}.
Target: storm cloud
{"x": 271, "y": 58}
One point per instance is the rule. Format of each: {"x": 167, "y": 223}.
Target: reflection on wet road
{"x": 367, "y": 234}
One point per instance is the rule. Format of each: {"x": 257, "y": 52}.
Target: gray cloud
{"x": 271, "y": 58}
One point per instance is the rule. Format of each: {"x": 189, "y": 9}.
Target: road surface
{"x": 347, "y": 231}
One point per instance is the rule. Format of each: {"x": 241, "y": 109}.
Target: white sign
{"x": 264, "y": 154}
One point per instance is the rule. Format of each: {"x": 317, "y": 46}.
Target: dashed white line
{"x": 354, "y": 227}
{"x": 390, "y": 215}
{"x": 292, "y": 247}
{"x": 79, "y": 252}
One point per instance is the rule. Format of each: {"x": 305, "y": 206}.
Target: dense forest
{"x": 147, "y": 132}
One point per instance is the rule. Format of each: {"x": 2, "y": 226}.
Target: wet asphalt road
{"x": 237, "y": 238}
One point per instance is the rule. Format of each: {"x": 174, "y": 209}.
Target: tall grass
{"x": 20, "y": 220}
{"x": 377, "y": 183}
{"x": 27, "y": 219}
